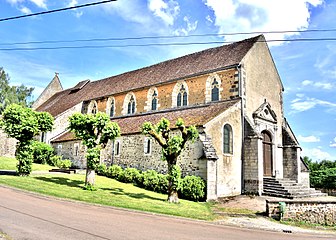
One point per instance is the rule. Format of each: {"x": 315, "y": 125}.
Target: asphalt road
{"x": 28, "y": 216}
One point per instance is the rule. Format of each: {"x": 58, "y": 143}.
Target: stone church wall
{"x": 7, "y": 145}
{"x": 228, "y": 172}
{"x": 132, "y": 154}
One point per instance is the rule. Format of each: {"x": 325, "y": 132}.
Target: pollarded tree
{"x": 24, "y": 124}
{"x": 95, "y": 131}
{"x": 172, "y": 146}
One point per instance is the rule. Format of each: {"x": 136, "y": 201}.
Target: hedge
{"x": 190, "y": 187}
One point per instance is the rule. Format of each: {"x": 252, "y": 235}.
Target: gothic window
{"x": 147, "y": 146}
{"x": 182, "y": 97}
{"x": 214, "y": 91}
{"x": 154, "y": 101}
{"x": 93, "y": 109}
{"x": 227, "y": 139}
{"x": 112, "y": 108}
{"x": 131, "y": 106}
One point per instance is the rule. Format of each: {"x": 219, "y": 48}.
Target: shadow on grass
{"x": 79, "y": 184}
{"x": 120, "y": 191}
{"x": 63, "y": 181}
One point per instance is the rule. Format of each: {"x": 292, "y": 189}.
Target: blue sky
{"x": 307, "y": 69}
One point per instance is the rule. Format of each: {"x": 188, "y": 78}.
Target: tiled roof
{"x": 190, "y": 65}
{"x": 197, "y": 116}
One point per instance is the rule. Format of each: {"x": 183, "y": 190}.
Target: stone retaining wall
{"x": 320, "y": 212}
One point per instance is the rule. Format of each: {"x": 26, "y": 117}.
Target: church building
{"x": 233, "y": 95}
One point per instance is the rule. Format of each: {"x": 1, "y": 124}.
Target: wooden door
{"x": 267, "y": 154}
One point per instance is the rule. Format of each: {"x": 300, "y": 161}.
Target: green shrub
{"x": 323, "y": 178}
{"x": 138, "y": 181}
{"x": 163, "y": 183}
{"x": 102, "y": 169}
{"x": 54, "y": 159}
{"x": 192, "y": 188}
{"x": 65, "y": 164}
{"x": 130, "y": 175}
{"x": 114, "y": 171}
{"x": 42, "y": 152}
{"x": 150, "y": 180}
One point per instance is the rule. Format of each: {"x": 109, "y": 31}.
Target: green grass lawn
{"x": 9, "y": 163}
{"x": 109, "y": 192}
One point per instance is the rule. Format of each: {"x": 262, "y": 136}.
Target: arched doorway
{"x": 267, "y": 153}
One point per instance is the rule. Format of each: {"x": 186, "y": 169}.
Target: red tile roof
{"x": 190, "y": 65}
{"x": 196, "y": 115}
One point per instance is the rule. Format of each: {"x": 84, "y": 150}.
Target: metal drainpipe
{"x": 242, "y": 124}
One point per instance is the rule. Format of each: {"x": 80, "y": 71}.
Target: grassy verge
{"x": 109, "y": 192}
{"x": 306, "y": 225}
{"x": 9, "y": 163}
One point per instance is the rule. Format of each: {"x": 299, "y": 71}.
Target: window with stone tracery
{"x": 182, "y": 97}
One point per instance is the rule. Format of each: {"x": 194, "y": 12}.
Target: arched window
{"x": 154, "y": 101}
{"x": 93, "y": 109}
{"x": 213, "y": 88}
{"x": 214, "y": 91}
{"x": 112, "y": 108}
{"x": 147, "y": 146}
{"x": 227, "y": 139}
{"x": 131, "y": 106}
{"x": 117, "y": 148}
{"x": 182, "y": 97}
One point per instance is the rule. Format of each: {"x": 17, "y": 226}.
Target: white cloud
{"x": 260, "y": 15}
{"x": 326, "y": 86}
{"x": 130, "y": 11}
{"x": 189, "y": 28}
{"x": 73, "y": 3}
{"x": 25, "y": 10}
{"x": 307, "y": 82}
{"x": 209, "y": 19}
{"x": 301, "y": 105}
{"x": 333, "y": 143}
{"x": 308, "y": 138}
{"x": 316, "y": 154}
{"x": 167, "y": 11}
{"x": 38, "y": 3}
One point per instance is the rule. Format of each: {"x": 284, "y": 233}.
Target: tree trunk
{"x": 90, "y": 177}
{"x": 172, "y": 181}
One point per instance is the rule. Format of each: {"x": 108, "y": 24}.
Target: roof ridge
{"x": 252, "y": 40}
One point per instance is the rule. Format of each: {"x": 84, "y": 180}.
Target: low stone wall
{"x": 320, "y": 212}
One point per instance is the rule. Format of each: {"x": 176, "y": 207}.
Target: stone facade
{"x": 7, "y": 145}
{"x": 319, "y": 212}
{"x": 132, "y": 154}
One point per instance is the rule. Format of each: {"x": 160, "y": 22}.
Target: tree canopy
{"x": 95, "y": 131}
{"x": 13, "y": 94}
{"x": 23, "y": 124}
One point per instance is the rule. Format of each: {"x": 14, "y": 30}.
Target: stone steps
{"x": 287, "y": 188}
